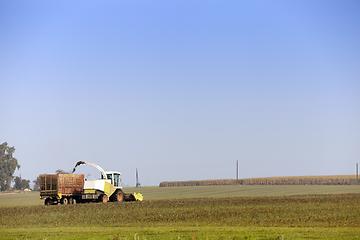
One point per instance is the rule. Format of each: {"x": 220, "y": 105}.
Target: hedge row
{"x": 306, "y": 180}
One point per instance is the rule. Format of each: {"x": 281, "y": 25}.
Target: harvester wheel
{"x": 64, "y": 201}
{"x": 71, "y": 201}
{"x": 118, "y": 196}
{"x": 103, "y": 198}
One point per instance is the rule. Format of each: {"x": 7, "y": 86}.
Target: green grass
{"x": 283, "y": 211}
{"x": 175, "y": 233}
{"x": 20, "y": 199}
{"x": 214, "y": 212}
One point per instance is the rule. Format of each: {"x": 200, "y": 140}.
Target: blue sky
{"x": 181, "y": 89}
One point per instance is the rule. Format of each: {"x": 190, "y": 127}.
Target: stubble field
{"x": 214, "y": 212}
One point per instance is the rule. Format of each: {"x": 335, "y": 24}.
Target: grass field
{"x": 214, "y": 212}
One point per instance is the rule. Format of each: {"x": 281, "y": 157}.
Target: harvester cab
{"x": 114, "y": 177}
{"x": 108, "y": 188}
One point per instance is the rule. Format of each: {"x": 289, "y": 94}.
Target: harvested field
{"x": 152, "y": 193}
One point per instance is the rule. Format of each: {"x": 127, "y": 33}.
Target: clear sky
{"x": 181, "y": 89}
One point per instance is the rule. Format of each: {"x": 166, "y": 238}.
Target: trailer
{"x": 61, "y": 188}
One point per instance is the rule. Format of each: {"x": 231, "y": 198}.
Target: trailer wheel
{"x": 64, "y": 201}
{"x": 103, "y": 198}
{"x": 48, "y": 201}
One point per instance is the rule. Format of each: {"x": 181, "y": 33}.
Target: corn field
{"x": 304, "y": 180}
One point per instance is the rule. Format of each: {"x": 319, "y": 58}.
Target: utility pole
{"x": 237, "y": 171}
{"x": 137, "y": 179}
{"x": 357, "y": 172}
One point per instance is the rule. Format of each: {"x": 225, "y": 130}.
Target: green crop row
{"x": 284, "y": 211}
{"x": 306, "y": 180}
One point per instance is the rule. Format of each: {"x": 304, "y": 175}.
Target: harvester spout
{"x": 77, "y": 164}
{"x": 94, "y": 165}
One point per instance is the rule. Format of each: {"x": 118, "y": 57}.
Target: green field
{"x": 212, "y": 212}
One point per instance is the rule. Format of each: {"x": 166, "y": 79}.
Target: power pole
{"x": 357, "y": 172}
{"x": 137, "y": 179}
{"x": 237, "y": 171}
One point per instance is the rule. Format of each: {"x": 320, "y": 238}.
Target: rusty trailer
{"x": 61, "y": 188}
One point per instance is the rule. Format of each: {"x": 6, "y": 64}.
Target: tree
{"x": 21, "y": 184}
{"x": 36, "y": 184}
{"x": 60, "y": 171}
{"x": 8, "y": 165}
